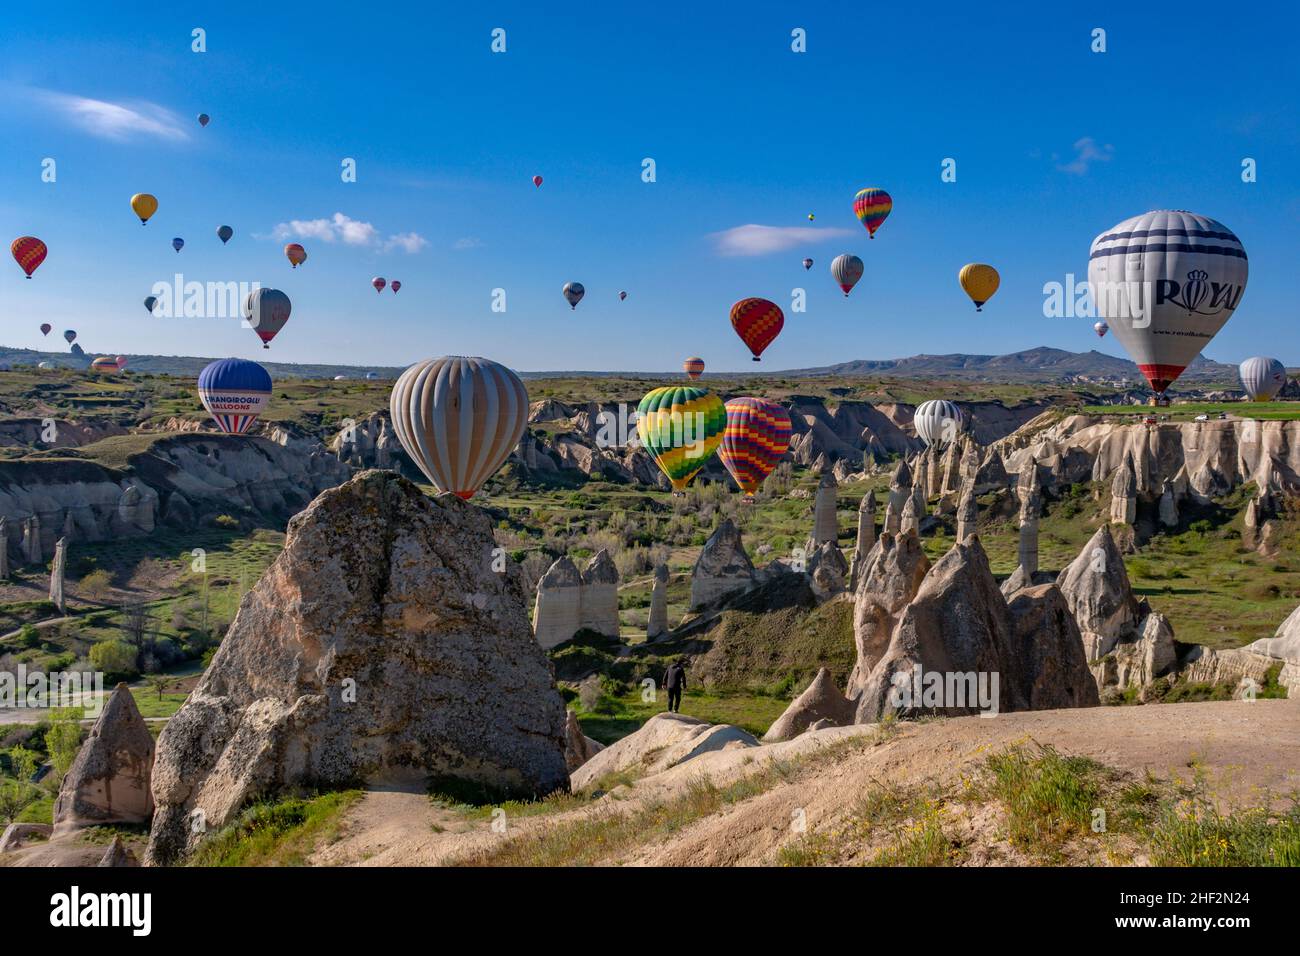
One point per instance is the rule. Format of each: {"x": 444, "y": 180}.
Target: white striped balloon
{"x": 459, "y": 418}
{"x": 1262, "y": 378}
{"x": 937, "y": 422}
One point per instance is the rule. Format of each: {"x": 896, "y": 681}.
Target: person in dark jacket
{"x": 675, "y": 681}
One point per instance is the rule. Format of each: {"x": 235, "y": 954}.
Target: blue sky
{"x": 1053, "y": 144}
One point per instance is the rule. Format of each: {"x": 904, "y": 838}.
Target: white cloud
{"x": 411, "y": 242}
{"x": 755, "y": 240}
{"x": 116, "y": 121}
{"x": 468, "y": 242}
{"x": 1086, "y": 152}
{"x": 340, "y": 228}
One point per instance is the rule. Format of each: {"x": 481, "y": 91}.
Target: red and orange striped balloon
{"x": 29, "y": 252}
{"x": 872, "y": 206}
{"x": 757, "y": 435}
{"x": 693, "y": 367}
{"x": 757, "y": 322}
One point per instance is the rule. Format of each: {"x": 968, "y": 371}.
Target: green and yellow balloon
{"x": 681, "y": 426}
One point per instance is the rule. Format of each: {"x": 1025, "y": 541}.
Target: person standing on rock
{"x": 675, "y": 681}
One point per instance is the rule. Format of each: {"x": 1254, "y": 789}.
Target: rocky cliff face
{"x": 380, "y": 647}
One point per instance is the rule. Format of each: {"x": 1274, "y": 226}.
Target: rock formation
{"x": 1123, "y": 494}
{"x": 1168, "y": 505}
{"x": 1097, "y": 589}
{"x": 820, "y": 701}
{"x": 665, "y": 740}
{"x": 866, "y": 537}
{"x": 578, "y": 748}
{"x": 56, "y": 575}
{"x": 557, "y": 613}
{"x": 887, "y": 582}
{"x": 69, "y": 526}
{"x": 722, "y": 568}
{"x": 1141, "y": 656}
{"x": 828, "y": 570}
{"x": 967, "y": 511}
{"x": 109, "y": 781}
{"x": 4, "y": 547}
{"x": 117, "y": 854}
{"x": 900, "y": 490}
{"x": 18, "y": 835}
{"x": 910, "y": 522}
{"x": 32, "y": 551}
{"x": 658, "y": 621}
{"x": 959, "y": 649}
{"x": 599, "y": 604}
{"x": 1030, "y": 504}
{"x": 825, "y": 524}
{"x": 379, "y": 647}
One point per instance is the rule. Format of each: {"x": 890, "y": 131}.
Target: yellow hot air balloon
{"x": 980, "y": 282}
{"x": 144, "y": 206}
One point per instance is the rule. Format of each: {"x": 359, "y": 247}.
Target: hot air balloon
{"x": 120, "y": 361}
{"x": 622, "y": 296}
{"x": 573, "y": 293}
{"x": 178, "y": 243}
{"x": 537, "y": 180}
{"x": 846, "y": 270}
{"x": 1101, "y": 328}
{"x": 980, "y": 282}
{"x": 872, "y": 206}
{"x": 149, "y": 302}
{"x": 459, "y": 418}
{"x": 371, "y": 376}
{"x": 1166, "y": 282}
{"x": 204, "y": 119}
{"x": 103, "y": 364}
{"x": 693, "y": 367}
{"x": 937, "y": 422}
{"x": 807, "y": 263}
{"x": 46, "y": 328}
{"x": 395, "y": 285}
{"x": 29, "y": 252}
{"x": 45, "y": 365}
{"x": 1262, "y": 378}
{"x": 266, "y": 311}
{"x": 144, "y": 205}
{"x": 296, "y": 254}
{"x": 756, "y": 436}
{"x": 681, "y": 427}
{"x": 234, "y": 391}
{"x": 811, "y": 217}
{"x": 757, "y": 322}
{"x": 224, "y": 233}
{"x": 379, "y": 282}
{"x": 69, "y": 335}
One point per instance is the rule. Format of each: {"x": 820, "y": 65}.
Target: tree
{"x": 97, "y": 584}
{"x": 160, "y": 682}
{"x": 114, "y": 657}
{"x": 63, "y": 739}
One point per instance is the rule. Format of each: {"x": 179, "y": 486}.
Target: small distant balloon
{"x": 693, "y": 367}
{"x": 149, "y": 302}
{"x": 757, "y": 322}
{"x": 224, "y": 233}
{"x": 1101, "y": 328}
{"x": 379, "y": 282}
{"x": 296, "y": 254}
{"x": 70, "y": 335}
{"x": 573, "y": 293}
{"x": 872, "y": 206}
{"x": 395, "y": 285}
{"x": 811, "y": 217}
{"x": 204, "y": 119}
{"x": 29, "y": 252}
{"x": 267, "y": 310}
{"x": 622, "y": 296}
{"x": 807, "y": 263}
{"x": 121, "y": 361}
{"x": 178, "y": 243}
{"x": 979, "y": 281}
{"x": 144, "y": 205}
{"x": 46, "y": 328}
{"x": 537, "y": 180}
{"x": 847, "y": 269}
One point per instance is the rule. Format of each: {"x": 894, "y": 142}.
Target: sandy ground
{"x": 1245, "y": 750}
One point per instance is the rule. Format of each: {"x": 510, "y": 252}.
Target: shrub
{"x": 97, "y": 584}
{"x": 115, "y": 658}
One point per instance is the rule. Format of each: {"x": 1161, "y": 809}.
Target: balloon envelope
{"x": 266, "y": 311}
{"x": 872, "y": 206}
{"x": 203, "y": 119}
{"x": 296, "y": 254}
{"x": 46, "y": 328}
{"x": 459, "y": 418}
{"x": 573, "y": 293}
{"x": 144, "y": 205}
{"x": 224, "y": 233}
{"x": 807, "y": 264}
{"x": 234, "y": 391}
{"x": 980, "y": 282}
{"x": 149, "y": 302}
{"x": 937, "y": 422}
{"x": 1101, "y": 328}
{"x": 758, "y": 322}
{"x": 1166, "y": 282}
{"x": 1262, "y": 378}
{"x": 693, "y": 367}
{"x": 847, "y": 270}
{"x": 29, "y": 252}
{"x": 395, "y": 285}
{"x": 756, "y": 436}
{"x": 103, "y": 364}
{"x": 379, "y": 282}
{"x": 681, "y": 427}
{"x": 70, "y": 335}
{"x": 178, "y": 243}
{"x": 537, "y": 180}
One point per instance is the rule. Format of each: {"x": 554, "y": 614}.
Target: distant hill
{"x": 1032, "y": 365}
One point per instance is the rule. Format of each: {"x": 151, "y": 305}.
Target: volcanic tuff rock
{"x": 657, "y": 623}
{"x": 1097, "y": 588}
{"x": 578, "y": 748}
{"x": 109, "y": 781}
{"x": 887, "y": 581}
{"x": 557, "y": 612}
{"x": 665, "y": 740}
{"x": 722, "y": 568}
{"x": 820, "y": 701}
{"x": 380, "y": 647}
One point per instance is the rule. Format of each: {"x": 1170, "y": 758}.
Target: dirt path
{"x": 1242, "y": 750}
